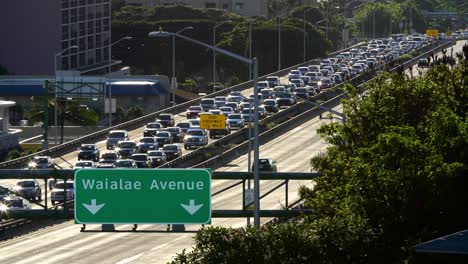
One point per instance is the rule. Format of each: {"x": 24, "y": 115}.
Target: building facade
{"x": 34, "y": 32}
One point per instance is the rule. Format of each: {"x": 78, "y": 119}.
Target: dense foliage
{"x": 394, "y": 175}
{"x": 149, "y": 56}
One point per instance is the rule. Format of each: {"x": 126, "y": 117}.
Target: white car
{"x": 62, "y": 192}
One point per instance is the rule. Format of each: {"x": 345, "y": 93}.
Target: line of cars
{"x": 309, "y": 80}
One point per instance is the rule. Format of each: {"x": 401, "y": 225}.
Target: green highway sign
{"x": 143, "y": 196}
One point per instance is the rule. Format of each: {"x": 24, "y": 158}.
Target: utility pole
{"x": 279, "y": 43}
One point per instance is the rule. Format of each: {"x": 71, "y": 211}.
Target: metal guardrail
{"x": 139, "y": 122}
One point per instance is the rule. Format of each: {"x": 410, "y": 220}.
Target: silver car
{"x": 196, "y": 137}
{"x": 235, "y": 121}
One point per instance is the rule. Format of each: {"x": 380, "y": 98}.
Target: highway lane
{"x": 64, "y": 242}
{"x": 416, "y": 71}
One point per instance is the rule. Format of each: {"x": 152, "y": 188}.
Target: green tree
{"x": 134, "y": 112}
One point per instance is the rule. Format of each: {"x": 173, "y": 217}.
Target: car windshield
{"x": 195, "y": 122}
{"x": 14, "y": 203}
{"x": 155, "y": 153}
{"x": 272, "y": 79}
{"x": 269, "y": 102}
{"x": 195, "y": 108}
{"x": 127, "y": 145}
{"x": 41, "y": 160}
{"x": 61, "y": 185}
{"x": 163, "y": 134}
{"x": 84, "y": 164}
{"x": 301, "y": 90}
{"x": 165, "y": 117}
{"x": 246, "y": 111}
{"x": 87, "y": 147}
{"x": 170, "y": 147}
{"x": 207, "y": 101}
{"x": 234, "y": 116}
{"x": 195, "y": 132}
{"x": 124, "y": 163}
{"x": 173, "y": 129}
{"x": 153, "y": 125}
{"x": 147, "y": 140}
{"x": 285, "y": 95}
{"x": 263, "y": 161}
{"x": 139, "y": 157}
{"x": 25, "y": 184}
{"x": 117, "y": 135}
{"x": 184, "y": 125}
{"x": 109, "y": 156}
{"x": 226, "y": 109}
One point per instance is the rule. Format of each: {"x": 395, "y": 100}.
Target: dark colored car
{"x": 141, "y": 160}
{"x": 172, "y": 151}
{"x": 151, "y": 129}
{"x": 214, "y": 133}
{"x": 193, "y": 111}
{"x": 108, "y": 158}
{"x": 125, "y": 149}
{"x": 89, "y": 152}
{"x": 29, "y": 189}
{"x": 423, "y": 63}
{"x": 266, "y": 165}
{"x": 176, "y": 133}
{"x": 125, "y": 163}
{"x": 270, "y": 105}
{"x": 146, "y": 143}
{"x": 156, "y": 158}
{"x": 163, "y": 138}
{"x": 184, "y": 126}
{"x": 167, "y": 120}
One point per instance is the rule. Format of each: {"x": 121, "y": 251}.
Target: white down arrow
{"x": 191, "y": 207}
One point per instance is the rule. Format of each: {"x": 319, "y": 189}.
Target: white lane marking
{"x": 297, "y": 129}
{"x": 128, "y": 260}
{"x": 166, "y": 244}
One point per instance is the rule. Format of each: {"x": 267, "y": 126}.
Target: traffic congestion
{"x": 170, "y": 136}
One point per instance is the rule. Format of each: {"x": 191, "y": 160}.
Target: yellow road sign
{"x": 448, "y": 33}
{"x": 208, "y": 121}
{"x": 432, "y": 32}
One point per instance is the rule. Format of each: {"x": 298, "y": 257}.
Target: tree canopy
{"x": 394, "y": 175}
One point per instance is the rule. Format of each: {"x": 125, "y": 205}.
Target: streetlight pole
{"x": 304, "y": 31}
{"x": 110, "y": 77}
{"x": 214, "y": 52}
{"x": 373, "y": 20}
{"x": 173, "y": 82}
{"x": 250, "y": 47}
{"x": 55, "y": 93}
{"x": 279, "y": 43}
{"x": 326, "y": 26}
{"x": 254, "y": 63}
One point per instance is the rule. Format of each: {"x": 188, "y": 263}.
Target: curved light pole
{"x": 326, "y": 26}
{"x": 55, "y": 93}
{"x": 255, "y": 81}
{"x": 110, "y": 77}
{"x": 214, "y": 51}
{"x": 303, "y": 28}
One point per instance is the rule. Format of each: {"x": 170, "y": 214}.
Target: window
{"x": 64, "y": 64}
{"x": 210, "y": 5}
{"x": 82, "y": 29}
{"x": 106, "y": 53}
{"x": 90, "y": 2}
{"x": 91, "y": 42}
{"x": 91, "y": 12}
{"x": 82, "y": 2}
{"x": 82, "y": 59}
{"x": 91, "y": 56}
{"x": 74, "y": 61}
{"x": 105, "y": 39}
{"x": 98, "y": 11}
{"x": 98, "y": 41}
{"x": 106, "y": 24}
{"x": 73, "y": 15}
{"x": 64, "y": 45}
{"x": 225, "y": 6}
{"x": 90, "y": 27}
{"x": 65, "y": 33}
{"x": 82, "y": 43}
{"x": 74, "y": 30}
{"x": 65, "y": 17}
{"x": 82, "y": 14}
{"x": 73, "y": 3}
{"x": 98, "y": 26}
{"x": 106, "y": 10}
{"x": 98, "y": 55}
{"x": 64, "y": 3}
{"x": 239, "y": 6}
